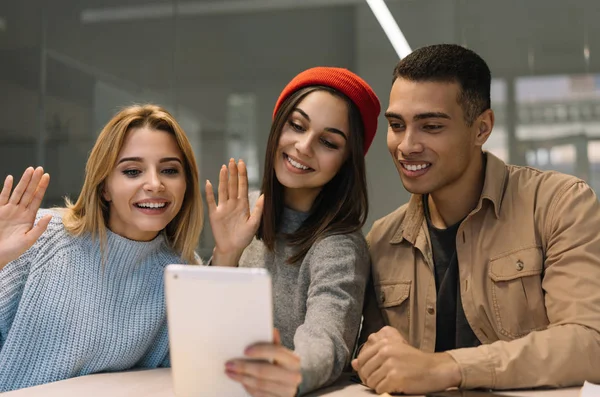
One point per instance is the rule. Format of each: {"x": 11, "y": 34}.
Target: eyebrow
{"x": 328, "y": 129}
{"x": 420, "y": 116}
{"x": 139, "y": 160}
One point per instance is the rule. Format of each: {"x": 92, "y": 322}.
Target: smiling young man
{"x": 490, "y": 275}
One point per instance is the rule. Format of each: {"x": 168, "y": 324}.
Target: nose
{"x": 304, "y": 144}
{"x": 153, "y": 182}
{"x": 410, "y": 144}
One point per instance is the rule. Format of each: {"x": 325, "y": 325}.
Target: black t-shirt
{"x": 452, "y": 329}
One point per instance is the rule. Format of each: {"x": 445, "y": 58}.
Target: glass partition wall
{"x": 67, "y": 66}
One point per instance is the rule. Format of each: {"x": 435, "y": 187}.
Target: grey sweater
{"x": 318, "y": 301}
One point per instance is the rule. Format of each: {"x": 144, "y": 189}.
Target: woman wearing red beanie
{"x": 305, "y": 229}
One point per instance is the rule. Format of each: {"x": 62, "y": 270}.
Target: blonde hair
{"x": 90, "y": 213}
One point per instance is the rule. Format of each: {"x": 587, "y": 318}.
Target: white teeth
{"x": 151, "y": 205}
{"x": 296, "y": 164}
{"x": 415, "y": 167}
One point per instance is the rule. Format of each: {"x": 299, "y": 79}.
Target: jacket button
{"x": 430, "y": 309}
{"x": 520, "y": 265}
{"x": 382, "y": 297}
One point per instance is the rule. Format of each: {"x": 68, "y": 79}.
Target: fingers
{"x": 6, "y": 188}
{"x": 259, "y": 387}
{"x": 373, "y": 373}
{"x": 270, "y": 370}
{"x": 233, "y": 184}
{"x": 368, "y": 359}
{"x": 223, "y": 180}
{"x": 391, "y": 333}
{"x": 257, "y": 212}
{"x": 356, "y": 366}
{"x": 372, "y": 339}
{"x": 38, "y": 229}
{"x": 243, "y": 179}
{"x": 264, "y": 372}
{"x": 233, "y": 180}
{"x": 17, "y": 194}
{"x": 210, "y": 198}
{"x": 370, "y": 349}
{"x": 274, "y": 353}
{"x": 276, "y": 336}
{"x": 38, "y": 196}
{"x": 258, "y": 393}
{"x": 376, "y": 379}
{"x": 385, "y": 385}
{"x": 32, "y": 187}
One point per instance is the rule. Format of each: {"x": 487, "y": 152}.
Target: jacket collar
{"x": 496, "y": 176}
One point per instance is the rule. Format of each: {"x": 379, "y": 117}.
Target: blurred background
{"x": 67, "y": 66}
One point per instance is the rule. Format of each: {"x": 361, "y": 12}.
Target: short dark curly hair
{"x": 451, "y": 63}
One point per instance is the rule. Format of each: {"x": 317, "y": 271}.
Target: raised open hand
{"x": 232, "y": 223}
{"x": 18, "y": 211}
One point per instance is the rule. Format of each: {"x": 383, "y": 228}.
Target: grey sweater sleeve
{"x": 339, "y": 268}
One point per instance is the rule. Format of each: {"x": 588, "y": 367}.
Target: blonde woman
{"x": 81, "y": 287}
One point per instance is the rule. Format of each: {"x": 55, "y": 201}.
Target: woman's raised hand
{"x": 232, "y": 223}
{"x": 18, "y": 211}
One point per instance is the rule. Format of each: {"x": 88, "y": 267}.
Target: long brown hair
{"x": 342, "y": 205}
{"x": 90, "y": 213}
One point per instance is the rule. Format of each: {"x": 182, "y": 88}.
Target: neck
{"x": 300, "y": 200}
{"x": 453, "y": 203}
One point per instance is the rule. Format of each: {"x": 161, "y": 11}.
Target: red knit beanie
{"x": 345, "y": 82}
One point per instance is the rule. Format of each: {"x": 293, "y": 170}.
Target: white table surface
{"x": 157, "y": 383}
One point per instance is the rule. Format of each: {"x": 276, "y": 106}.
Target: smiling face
{"x": 431, "y": 144}
{"x": 146, "y": 189}
{"x": 312, "y": 147}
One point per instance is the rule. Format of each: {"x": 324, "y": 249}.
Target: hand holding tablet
{"x": 276, "y": 369}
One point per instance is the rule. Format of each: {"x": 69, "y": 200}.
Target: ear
{"x": 484, "y": 125}
{"x": 105, "y": 194}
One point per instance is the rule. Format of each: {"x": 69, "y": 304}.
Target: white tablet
{"x": 213, "y": 314}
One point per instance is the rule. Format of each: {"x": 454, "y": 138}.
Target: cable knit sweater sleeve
{"x": 338, "y": 268}
{"x": 14, "y": 275}
{"x": 68, "y": 308}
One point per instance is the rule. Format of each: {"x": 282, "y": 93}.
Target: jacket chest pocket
{"x": 394, "y": 303}
{"x": 517, "y": 297}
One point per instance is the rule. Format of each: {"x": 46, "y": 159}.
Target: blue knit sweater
{"x": 64, "y": 314}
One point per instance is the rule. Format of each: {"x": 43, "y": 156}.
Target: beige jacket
{"x": 529, "y": 264}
